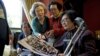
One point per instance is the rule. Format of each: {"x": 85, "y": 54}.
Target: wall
{"x": 92, "y": 14}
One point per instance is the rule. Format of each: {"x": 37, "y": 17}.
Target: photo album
{"x": 38, "y": 46}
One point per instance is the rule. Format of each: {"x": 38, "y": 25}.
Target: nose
{"x": 52, "y": 10}
{"x": 63, "y": 22}
{"x": 40, "y": 11}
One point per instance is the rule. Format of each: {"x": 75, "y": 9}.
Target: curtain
{"x": 26, "y": 4}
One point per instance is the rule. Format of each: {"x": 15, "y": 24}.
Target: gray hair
{"x": 35, "y": 5}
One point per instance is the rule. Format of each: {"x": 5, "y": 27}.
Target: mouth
{"x": 64, "y": 25}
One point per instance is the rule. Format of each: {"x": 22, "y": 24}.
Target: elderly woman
{"x": 85, "y": 46}
{"x": 40, "y": 22}
{"x": 56, "y": 28}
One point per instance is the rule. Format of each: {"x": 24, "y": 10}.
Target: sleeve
{"x": 89, "y": 45}
{"x": 20, "y": 36}
{"x": 50, "y": 23}
{"x": 58, "y": 31}
{"x": 9, "y": 33}
{"x": 35, "y": 28}
{"x": 5, "y": 30}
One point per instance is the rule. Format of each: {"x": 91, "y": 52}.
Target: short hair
{"x": 36, "y": 4}
{"x": 72, "y": 15}
{"x": 59, "y": 6}
{"x": 26, "y": 23}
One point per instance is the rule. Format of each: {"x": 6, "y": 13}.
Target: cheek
{"x": 24, "y": 30}
{"x": 53, "y": 11}
{"x": 67, "y": 26}
{"x": 37, "y": 12}
{"x": 40, "y": 13}
{"x": 56, "y": 12}
{"x": 64, "y": 25}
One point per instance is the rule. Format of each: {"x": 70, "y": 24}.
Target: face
{"x": 39, "y": 11}
{"x": 26, "y": 29}
{"x": 54, "y": 10}
{"x": 67, "y": 23}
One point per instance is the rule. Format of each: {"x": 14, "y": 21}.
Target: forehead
{"x": 53, "y": 6}
{"x": 39, "y": 7}
{"x": 65, "y": 18}
{"x": 25, "y": 25}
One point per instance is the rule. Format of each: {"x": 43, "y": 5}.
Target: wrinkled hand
{"x": 61, "y": 54}
{"x": 18, "y": 50}
{"x": 41, "y": 36}
{"x": 49, "y": 33}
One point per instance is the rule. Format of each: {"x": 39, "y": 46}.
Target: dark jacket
{"x": 20, "y": 37}
{"x": 85, "y": 46}
{"x": 4, "y": 29}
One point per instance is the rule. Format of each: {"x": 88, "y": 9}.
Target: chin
{"x": 65, "y": 28}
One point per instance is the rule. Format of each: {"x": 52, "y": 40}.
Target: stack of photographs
{"x": 38, "y": 46}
